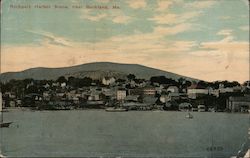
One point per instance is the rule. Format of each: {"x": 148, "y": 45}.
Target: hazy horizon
{"x": 207, "y": 40}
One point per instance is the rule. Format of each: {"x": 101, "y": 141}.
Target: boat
{"x": 113, "y": 109}
{"x": 189, "y": 116}
{"x": 3, "y": 124}
{"x": 2, "y": 156}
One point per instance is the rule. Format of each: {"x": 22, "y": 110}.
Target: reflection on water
{"x": 142, "y": 133}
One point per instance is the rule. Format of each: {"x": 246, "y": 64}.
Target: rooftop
{"x": 241, "y": 98}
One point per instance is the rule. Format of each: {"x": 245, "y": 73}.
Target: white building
{"x": 63, "y": 85}
{"x": 121, "y": 95}
{"x": 226, "y": 90}
{"x": 195, "y": 91}
{"x": 108, "y": 80}
{"x": 214, "y": 92}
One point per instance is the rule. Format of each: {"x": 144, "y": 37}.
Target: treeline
{"x": 186, "y": 83}
{"x": 27, "y": 86}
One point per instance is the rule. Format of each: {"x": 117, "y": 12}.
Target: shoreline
{"x": 12, "y": 109}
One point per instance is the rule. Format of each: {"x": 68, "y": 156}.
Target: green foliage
{"x": 32, "y": 89}
{"x": 61, "y": 79}
{"x": 80, "y": 82}
{"x": 163, "y": 80}
{"x": 131, "y": 77}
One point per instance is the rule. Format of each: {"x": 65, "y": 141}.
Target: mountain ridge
{"x": 95, "y": 70}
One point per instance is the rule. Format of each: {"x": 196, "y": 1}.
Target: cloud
{"x": 137, "y": 4}
{"x": 115, "y": 16}
{"x": 225, "y": 59}
{"x": 227, "y": 44}
{"x": 163, "y": 5}
{"x": 214, "y": 60}
{"x": 244, "y": 28}
{"x": 225, "y": 17}
{"x": 51, "y": 38}
{"x": 164, "y": 15}
{"x": 137, "y": 48}
{"x": 235, "y": 53}
{"x": 158, "y": 33}
{"x": 160, "y": 30}
{"x": 97, "y": 17}
{"x": 121, "y": 19}
{"x": 212, "y": 67}
{"x": 169, "y": 18}
{"x": 225, "y": 32}
{"x": 201, "y": 4}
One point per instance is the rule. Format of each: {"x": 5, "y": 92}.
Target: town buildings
{"x": 133, "y": 94}
{"x": 239, "y": 103}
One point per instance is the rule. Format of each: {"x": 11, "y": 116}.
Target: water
{"x": 133, "y": 133}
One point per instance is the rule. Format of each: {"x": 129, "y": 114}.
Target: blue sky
{"x": 206, "y": 39}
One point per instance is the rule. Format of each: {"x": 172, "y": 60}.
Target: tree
{"x": 246, "y": 83}
{"x": 61, "y": 79}
{"x": 120, "y": 80}
{"x": 181, "y": 81}
{"x": 86, "y": 81}
{"x": 234, "y": 83}
{"x": 32, "y": 89}
{"x": 72, "y": 81}
{"x": 162, "y": 80}
{"x": 131, "y": 77}
{"x": 187, "y": 84}
{"x": 203, "y": 84}
{"x": 138, "y": 81}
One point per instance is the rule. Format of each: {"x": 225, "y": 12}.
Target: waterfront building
{"x": 195, "y": 91}
{"x": 132, "y": 98}
{"x": 135, "y": 91}
{"x": 121, "y": 94}
{"x": 149, "y": 90}
{"x": 238, "y": 104}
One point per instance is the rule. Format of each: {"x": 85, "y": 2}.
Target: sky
{"x": 203, "y": 39}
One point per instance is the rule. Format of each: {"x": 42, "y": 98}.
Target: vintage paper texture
{"x": 133, "y": 78}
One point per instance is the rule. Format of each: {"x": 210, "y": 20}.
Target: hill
{"x": 96, "y": 70}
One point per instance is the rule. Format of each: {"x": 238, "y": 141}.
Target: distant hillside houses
{"x": 159, "y": 92}
{"x": 108, "y": 80}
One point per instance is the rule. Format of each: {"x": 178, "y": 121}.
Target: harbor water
{"x": 83, "y": 133}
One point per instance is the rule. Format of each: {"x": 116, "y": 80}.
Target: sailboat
{"x": 3, "y": 124}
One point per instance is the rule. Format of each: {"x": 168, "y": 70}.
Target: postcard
{"x": 125, "y": 78}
